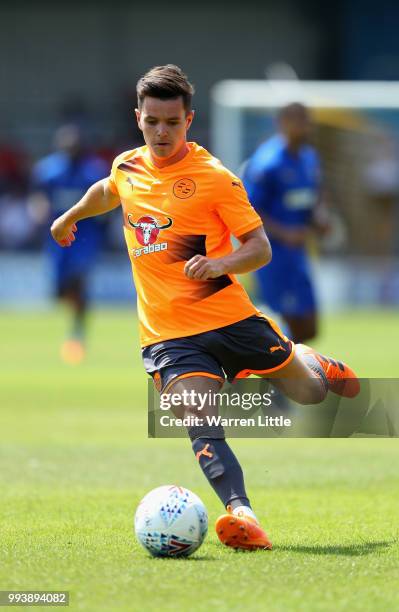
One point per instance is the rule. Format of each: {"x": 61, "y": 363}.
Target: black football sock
{"x": 220, "y": 466}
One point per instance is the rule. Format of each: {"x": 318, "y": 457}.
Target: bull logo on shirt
{"x": 147, "y": 228}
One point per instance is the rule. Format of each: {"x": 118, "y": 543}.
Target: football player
{"x": 62, "y": 177}
{"x": 197, "y": 323}
{"x": 283, "y": 182}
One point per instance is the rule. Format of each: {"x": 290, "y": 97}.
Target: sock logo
{"x": 204, "y": 452}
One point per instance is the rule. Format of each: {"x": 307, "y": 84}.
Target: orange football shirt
{"x": 171, "y": 214}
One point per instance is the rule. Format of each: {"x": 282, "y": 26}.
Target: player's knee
{"x": 311, "y": 391}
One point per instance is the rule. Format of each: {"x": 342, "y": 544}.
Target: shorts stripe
{"x": 273, "y": 325}
{"x": 190, "y": 375}
{"x": 246, "y": 373}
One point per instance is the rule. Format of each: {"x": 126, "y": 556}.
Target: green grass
{"x": 75, "y": 461}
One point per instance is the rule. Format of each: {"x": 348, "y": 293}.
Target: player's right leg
{"x": 342, "y": 380}
{"x": 184, "y": 365}
{"x": 239, "y": 527}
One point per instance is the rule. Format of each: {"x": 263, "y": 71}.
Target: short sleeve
{"x": 112, "y": 177}
{"x": 234, "y": 208}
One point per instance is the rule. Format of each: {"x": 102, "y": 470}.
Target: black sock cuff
{"x": 213, "y": 432}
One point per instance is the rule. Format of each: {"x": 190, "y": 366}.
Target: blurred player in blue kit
{"x": 283, "y": 182}
{"x": 61, "y": 178}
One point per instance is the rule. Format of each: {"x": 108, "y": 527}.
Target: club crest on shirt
{"x": 184, "y": 188}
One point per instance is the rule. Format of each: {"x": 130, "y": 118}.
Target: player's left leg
{"x": 211, "y": 450}
{"x": 74, "y": 293}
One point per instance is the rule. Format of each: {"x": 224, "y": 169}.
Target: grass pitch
{"x": 75, "y": 461}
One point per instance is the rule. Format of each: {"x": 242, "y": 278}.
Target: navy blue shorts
{"x": 71, "y": 266}
{"x": 286, "y": 285}
{"x": 252, "y": 346}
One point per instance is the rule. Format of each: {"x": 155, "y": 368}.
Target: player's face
{"x": 297, "y": 127}
{"x": 164, "y": 124}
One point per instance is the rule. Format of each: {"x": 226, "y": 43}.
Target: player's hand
{"x": 204, "y": 268}
{"x": 63, "y": 231}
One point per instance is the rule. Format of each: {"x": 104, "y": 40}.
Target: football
{"x": 171, "y": 521}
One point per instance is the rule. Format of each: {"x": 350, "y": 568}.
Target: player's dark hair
{"x": 165, "y": 83}
{"x": 294, "y": 109}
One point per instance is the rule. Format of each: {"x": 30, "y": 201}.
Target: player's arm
{"x": 259, "y": 182}
{"x": 253, "y": 253}
{"x": 97, "y": 200}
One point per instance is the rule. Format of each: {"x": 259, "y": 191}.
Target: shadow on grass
{"x": 351, "y": 550}
{"x": 186, "y": 559}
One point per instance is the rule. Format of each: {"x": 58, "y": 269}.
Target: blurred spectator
{"x": 13, "y": 167}
{"x": 17, "y": 221}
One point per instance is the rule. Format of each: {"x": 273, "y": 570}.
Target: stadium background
{"x": 69, "y": 63}
{"x": 74, "y": 455}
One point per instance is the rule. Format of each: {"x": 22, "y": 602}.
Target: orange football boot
{"x": 242, "y": 532}
{"x": 342, "y": 380}
{"x": 72, "y": 351}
